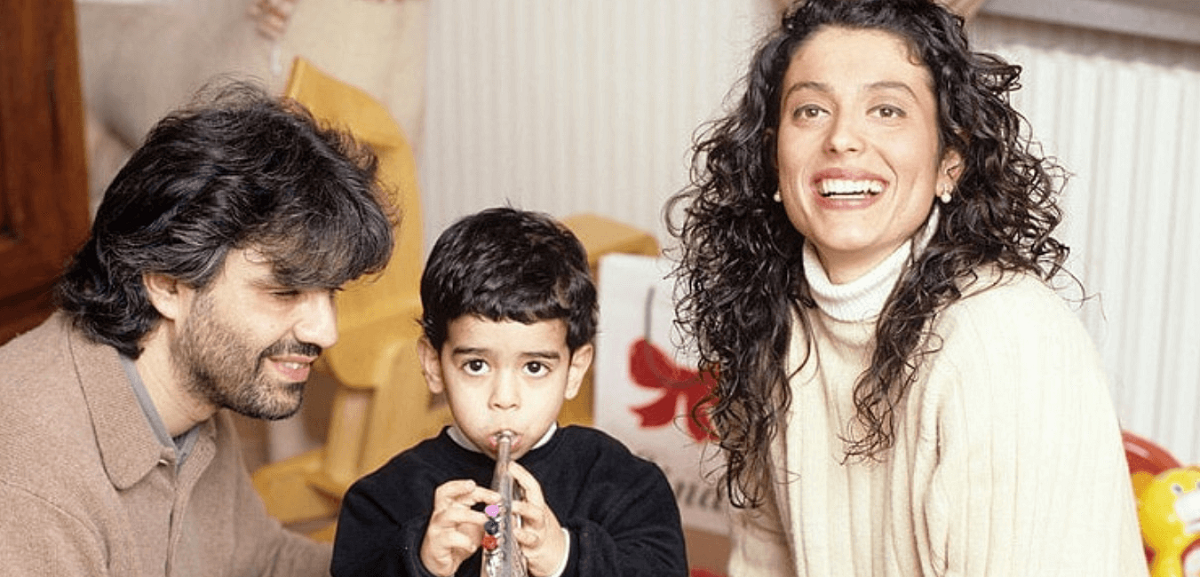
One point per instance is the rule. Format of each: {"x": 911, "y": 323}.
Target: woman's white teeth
{"x": 843, "y": 187}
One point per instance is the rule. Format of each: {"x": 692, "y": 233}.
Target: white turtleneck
{"x": 863, "y": 298}
{"x": 1007, "y": 458}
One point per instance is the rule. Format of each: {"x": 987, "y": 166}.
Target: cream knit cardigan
{"x": 1007, "y": 459}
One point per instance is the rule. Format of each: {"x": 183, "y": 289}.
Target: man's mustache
{"x": 292, "y": 347}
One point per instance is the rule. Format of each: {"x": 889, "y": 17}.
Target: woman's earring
{"x": 944, "y": 195}
{"x": 777, "y": 198}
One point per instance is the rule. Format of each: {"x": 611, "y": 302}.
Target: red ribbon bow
{"x": 651, "y": 368}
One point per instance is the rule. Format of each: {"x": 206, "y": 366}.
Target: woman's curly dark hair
{"x": 740, "y": 272}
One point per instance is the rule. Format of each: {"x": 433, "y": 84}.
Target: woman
{"x": 866, "y": 248}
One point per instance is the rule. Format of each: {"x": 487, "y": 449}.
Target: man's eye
{"x": 475, "y": 367}
{"x": 536, "y": 368}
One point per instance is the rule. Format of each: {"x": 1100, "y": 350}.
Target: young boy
{"x": 509, "y": 316}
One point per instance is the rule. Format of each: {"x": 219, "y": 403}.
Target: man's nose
{"x": 318, "y": 320}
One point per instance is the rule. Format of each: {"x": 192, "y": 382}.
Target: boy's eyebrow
{"x": 549, "y": 354}
{"x": 468, "y": 351}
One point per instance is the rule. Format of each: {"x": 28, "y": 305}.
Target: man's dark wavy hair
{"x": 238, "y": 170}
{"x": 506, "y": 264}
{"x": 740, "y": 265}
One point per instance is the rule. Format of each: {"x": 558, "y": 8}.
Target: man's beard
{"x": 218, "y": 365}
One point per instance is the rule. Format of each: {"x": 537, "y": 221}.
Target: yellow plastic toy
{"x": 1169, "y": 513}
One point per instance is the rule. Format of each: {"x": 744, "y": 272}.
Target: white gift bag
{"x": 646, "y": 386}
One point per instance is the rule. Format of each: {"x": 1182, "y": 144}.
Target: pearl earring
{"x": 777, "y": 198}
{"x": 944, "y": 195}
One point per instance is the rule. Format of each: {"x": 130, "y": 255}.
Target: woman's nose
{"x": 843, "y": 135}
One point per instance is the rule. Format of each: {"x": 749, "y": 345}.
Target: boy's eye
{"x": 536, "y": 368}
{"x": 475, "y": 367}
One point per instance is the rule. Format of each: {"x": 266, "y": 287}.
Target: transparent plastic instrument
{"x": 501, "y": 555}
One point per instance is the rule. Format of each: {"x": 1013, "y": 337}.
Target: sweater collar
{"x": 128, "y": 445}
{"x": 863, "y": 299}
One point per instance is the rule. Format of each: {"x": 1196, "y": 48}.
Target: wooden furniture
{"x": 43, "y": 179}
{"x": 374, "y": 361}
{"x": 382, "y": 405}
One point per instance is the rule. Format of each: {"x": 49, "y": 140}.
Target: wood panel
{"x": 43, "y": 180}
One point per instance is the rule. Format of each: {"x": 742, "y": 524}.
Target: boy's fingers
{"x": 464, "y": 493}
{"x": 485, "y": 495}
{"x": 461, "y": 516}
{"x": 453, "y": 490}
{"x": 533, "y": 490}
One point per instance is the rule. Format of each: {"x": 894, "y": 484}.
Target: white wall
{"x": 573, "y": 106}
{"x": 590, "y": 105}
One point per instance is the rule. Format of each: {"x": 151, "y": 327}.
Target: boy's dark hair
{"x": 242, "y": 169}
{"x": 508, "y": 264}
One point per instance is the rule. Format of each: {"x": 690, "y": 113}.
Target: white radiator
{"x": 1121, "y": 113}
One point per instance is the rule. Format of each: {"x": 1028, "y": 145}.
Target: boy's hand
{"x": 540, "y": 536}
{"x": 455, "y": 529}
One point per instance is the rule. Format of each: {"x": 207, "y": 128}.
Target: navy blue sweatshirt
{"x": 618, "y": 508}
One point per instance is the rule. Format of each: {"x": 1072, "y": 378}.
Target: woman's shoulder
{"x": 1013, "y": 322}
{"x": 1005, "y": 315}
{"x": 1014, "y": 298}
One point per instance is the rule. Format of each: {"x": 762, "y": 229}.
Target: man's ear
{"x": 581, "y": 361}
{"x": 166, "y": 293}
{"x": 431, "y": 365}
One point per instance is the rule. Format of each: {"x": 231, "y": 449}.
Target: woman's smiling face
{"x": 857, "y": 147}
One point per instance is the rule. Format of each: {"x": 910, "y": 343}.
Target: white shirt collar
{"x": 461, "y": 439}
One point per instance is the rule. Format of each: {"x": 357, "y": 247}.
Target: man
{"x": 207, "y": 283}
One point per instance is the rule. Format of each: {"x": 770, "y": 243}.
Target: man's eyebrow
{"x": 268, "y": 281}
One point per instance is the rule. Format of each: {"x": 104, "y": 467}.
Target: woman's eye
{"x": 475, "y": 367}
{"x": 889, "y": 112}
{"x": 807, "y": 112}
